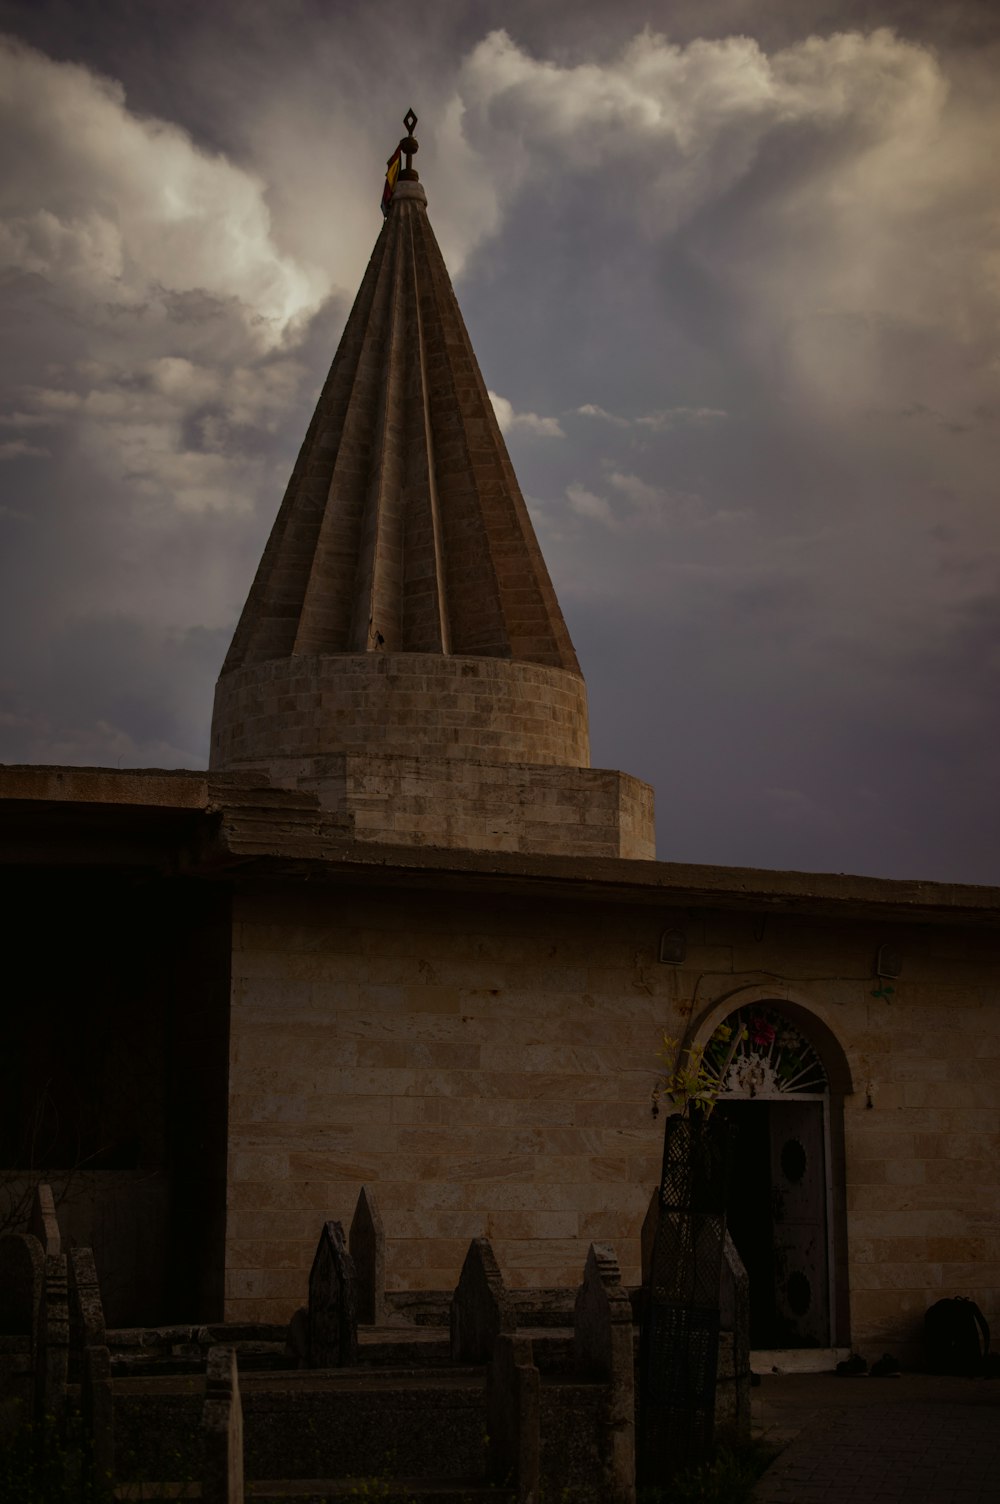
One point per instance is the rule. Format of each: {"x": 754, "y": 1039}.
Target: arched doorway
{"x": 775, "y": 1089}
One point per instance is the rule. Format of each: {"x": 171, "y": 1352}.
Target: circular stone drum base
{"x": 407, "y": 704}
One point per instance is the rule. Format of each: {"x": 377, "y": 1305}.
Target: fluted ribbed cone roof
{"x": 403, "y": 527}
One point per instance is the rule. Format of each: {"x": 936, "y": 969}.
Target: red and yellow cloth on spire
{"x": 391, "y": 174}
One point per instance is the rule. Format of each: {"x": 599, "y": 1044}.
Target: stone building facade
{"x": 402, "y": 934}
{"x": 483, "y": 1053}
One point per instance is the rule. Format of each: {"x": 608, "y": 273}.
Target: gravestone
{"x": 603, "y": 1348}
{"x": 222, "y": 1430}
{"x": 86, "y": 1310}
{"x": 89, "y": 1349}
{"x": 333, "y": 1322}
{"x": 52, "y": 1353}
{"x": 513, "y": 1418}
{"x": 366, "y": 1240}
{"x": 480, "y": 1307}
{"x": 43, "y": 1223}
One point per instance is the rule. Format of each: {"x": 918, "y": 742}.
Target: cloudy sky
{"x": 733, "y": 273}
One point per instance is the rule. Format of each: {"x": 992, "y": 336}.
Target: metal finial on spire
{"x": 408, "y": 147}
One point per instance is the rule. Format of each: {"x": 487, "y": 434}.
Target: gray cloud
{"x": 750, "y": 266}
{"x": 528, "y": 423}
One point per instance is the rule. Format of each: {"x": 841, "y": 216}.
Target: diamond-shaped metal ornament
{"x": 409, "y": 120}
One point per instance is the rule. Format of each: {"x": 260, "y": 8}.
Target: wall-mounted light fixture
{"x": 673, "y": 947}
{"x": 888, "y": 962}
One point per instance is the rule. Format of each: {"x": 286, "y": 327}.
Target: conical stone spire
{"x": 403, "y": 528}
{"x": 402, "y": 644}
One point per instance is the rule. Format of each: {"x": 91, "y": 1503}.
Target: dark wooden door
{"x": 777, "y": 1215}
{"x": 798, "y": 1213}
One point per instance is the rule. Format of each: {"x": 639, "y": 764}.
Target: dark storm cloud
{"x": 729, "y": 269}
{"x": 114, "y": 691}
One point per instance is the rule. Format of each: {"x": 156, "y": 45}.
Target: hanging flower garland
{"x": 756, "y": 1052}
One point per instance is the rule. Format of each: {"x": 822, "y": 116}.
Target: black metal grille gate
{"x": 679, "y": 1343}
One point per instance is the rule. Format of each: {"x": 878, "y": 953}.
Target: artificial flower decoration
{"x": 761, "y": 1032}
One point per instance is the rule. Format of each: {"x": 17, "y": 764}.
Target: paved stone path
{"x": 932, "y": 1441}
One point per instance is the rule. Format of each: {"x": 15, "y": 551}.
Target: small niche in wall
{"x": 673, "y": 947}
{"x": 888, "y": 962}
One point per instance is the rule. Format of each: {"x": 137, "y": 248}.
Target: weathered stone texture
{"x": 86, "y": 1309}
{"x": 480, "y": 1307}
{"x": 603, "y": 1347}
{"x": 333, "y": 1320}
{"x": 403, "y": 523}
{"x": 398, "y": 704}
{"x": 222, "y": 1430}
{"x": 475, "y": 805}
{"x": 90, "y": 1359}
{"x": 513, "y": 1416}
{"x": 43, "y": 1223}
{"x": 52, "y": 1362}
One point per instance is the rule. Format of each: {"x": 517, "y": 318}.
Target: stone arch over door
{"x": 784, "y": 1076}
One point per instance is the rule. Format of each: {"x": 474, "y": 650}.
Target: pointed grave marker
{"x": 333, "y": 1322}
{"x": 480, "y": 1307}
{"x": 367, "y": 1245}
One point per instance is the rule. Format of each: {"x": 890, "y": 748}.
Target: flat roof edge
{"x": 612, "y": 877}
{"x": 169, "y": 788}
{"x": 268, "y": 832}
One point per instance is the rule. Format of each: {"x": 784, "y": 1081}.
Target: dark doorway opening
{"x": 778, "y": 1215}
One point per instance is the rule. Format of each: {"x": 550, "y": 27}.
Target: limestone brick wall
{"x": 636, "y": 817}
{"x": 481, "y": 806}
{"x": 485, "y": 1064}
{"x": 923, "y": 1189}
{"x": 401, "y": 704}
{"x": 485, "y": 1067}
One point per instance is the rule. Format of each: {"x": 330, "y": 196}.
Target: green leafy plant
{"x": 695, "y": 1073}
{"x": 729, "y": 1478}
